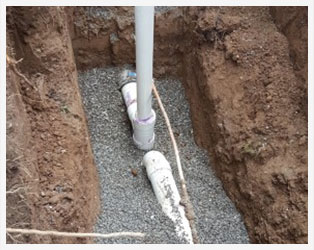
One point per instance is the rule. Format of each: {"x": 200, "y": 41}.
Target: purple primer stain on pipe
{"x": 145, "y": 121}
{"x": 129, "y": 100}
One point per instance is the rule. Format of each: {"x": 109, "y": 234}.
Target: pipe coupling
{"x": 143, "y": 132}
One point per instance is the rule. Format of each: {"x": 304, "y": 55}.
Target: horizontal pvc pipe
{"x": 144, "y": 31}
{"x": 159, "y": 173}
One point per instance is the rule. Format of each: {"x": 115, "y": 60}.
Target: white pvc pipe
{"x": 144, "y": 31}
{"x": 129, "y": 97}
{"x": 143, "y": 130}
{"x": 159, "y": 173}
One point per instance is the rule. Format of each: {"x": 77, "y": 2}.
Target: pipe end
{"x": 155, "y": 161}
{"x": 125, "y": 77}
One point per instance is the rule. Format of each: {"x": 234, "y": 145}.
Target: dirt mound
{"x": 246, "y": 96}
{"x": 48, "y": 149}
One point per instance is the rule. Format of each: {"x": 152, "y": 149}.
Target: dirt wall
{"x": 21, "y": 168}
{"x": 246, "y": 100}
{"x": 292, "y": 22}
{"x": 47, "y": 120}
{"x": 105, "y": 36}
{"x": 252, "y": 122}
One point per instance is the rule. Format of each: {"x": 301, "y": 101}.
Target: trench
{"x": 222, "y": 56}
{"x": 201, "y": 68}
{"x": 128, "y": 202}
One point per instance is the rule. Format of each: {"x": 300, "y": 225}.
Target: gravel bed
{"x": 106, "y": 12}
{"x": 127, "y": 199}
{"x": 163, "y": 9}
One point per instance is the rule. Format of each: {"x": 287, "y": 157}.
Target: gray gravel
{"x": 163, "y": 9}
{"x": 128, "y": 202}
{"x": 106, "y": 12}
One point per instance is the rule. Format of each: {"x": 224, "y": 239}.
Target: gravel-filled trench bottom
{"x": 128, "y": 202}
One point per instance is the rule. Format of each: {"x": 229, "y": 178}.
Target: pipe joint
{"x": 143, "y": 129}
{"x": 125, "y": 77}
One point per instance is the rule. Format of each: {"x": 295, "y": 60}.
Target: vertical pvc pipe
{"x": 144, "y": 30}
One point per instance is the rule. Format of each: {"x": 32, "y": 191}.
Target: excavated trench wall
{"x": 245, "y": 76}
{"x": 51, "y": 178}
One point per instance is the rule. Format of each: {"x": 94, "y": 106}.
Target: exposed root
{"x": 14, "y": 240}
{"x": 189, "y": 212}
{"x": 77, "y": 235}
{"x": 13, "y": 191}
{"x": 13, "y": 63}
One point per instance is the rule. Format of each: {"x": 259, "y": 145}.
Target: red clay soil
{"x": 21, "y": 167}
{"x": 245, "y": 75}
{"x": 292, "y": 22}
{"x": 51, "y": 178}
{"x": 252, "y": 119}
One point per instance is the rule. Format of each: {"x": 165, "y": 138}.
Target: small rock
{"x": 302, "y": 140}
{"x": 47, "y": 156}
{"x": 268, "y": 98}
{"x": 134, "y": 172}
